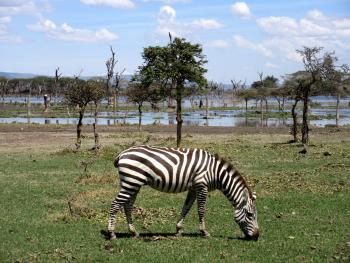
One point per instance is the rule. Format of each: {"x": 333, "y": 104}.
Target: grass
{"x": 53, "y": 211}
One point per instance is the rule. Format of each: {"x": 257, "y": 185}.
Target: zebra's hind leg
{"x": 191, "y": 196}
{"x": 128, "y": 207}
{"x": 119, "y": 201}
{"x": 202, "y": 192}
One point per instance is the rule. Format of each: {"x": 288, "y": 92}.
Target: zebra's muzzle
{"x": 254, "y": 236}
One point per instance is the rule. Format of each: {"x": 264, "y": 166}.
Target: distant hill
{"x": 15, "y": 75}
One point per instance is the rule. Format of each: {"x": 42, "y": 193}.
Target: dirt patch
{"x": 52, "y": 137}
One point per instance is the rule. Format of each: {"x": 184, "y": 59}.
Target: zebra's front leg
{"x": 191, "y": 196}
{"x": 202, "y": 193}
{"x": 128, "y": 207}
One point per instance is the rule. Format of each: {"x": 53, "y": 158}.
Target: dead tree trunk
{"x": 79, "y": 128}
{"x": 305, "y": 126}
{"x": 337, "y": 111}
{"x": 96, "y": 135}
{"x": 206, "y": 107}
{"x": 178, "y": 116}
{"x": 261, "y": 112}
{"x": 115, "y": 106}
{"x": 140, "y": 116}
{"x": 28, "y": 105}
{"x": 46, "y": 103}
{"x": 57, "y": 78}
{"x": 295, "y": 121}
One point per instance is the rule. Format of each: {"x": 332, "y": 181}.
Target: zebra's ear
{"x": 254, "y": 196}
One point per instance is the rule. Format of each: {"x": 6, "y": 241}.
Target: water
{"x": 223, "y": 118}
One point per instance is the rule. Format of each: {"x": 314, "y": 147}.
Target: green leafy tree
{"x": 142, "y": 90}
{"x": 79, "y": 95}
{"x": 176, "y": 67}
{"x": 335, "y": 83}
{"x": 246, "y": 95}
{"x": 317, "y": 71}
{"x": 292, "y": 87}
{"x": 3, "y": 86}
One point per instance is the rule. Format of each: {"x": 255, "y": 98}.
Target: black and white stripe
{"x": 177, "y": 170}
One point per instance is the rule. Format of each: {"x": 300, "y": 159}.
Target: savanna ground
{"x": 55, "y": 202}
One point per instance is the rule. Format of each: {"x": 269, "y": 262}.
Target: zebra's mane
{"x": 230, "y": 168}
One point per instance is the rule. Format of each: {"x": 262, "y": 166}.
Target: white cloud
{"x": 219, "y": 43}
{"x": 16, "y": 7}
{"x": 67, "y": 33}
{"x": 9, "y": 8}
{"x": 270, "y": 65}
{"x": 245, "y": 43}
{"x": 167, "y": 23}
{"x": 5, "y": 19}
{"x": 167, "y": 14}
{"x": 241, "y": 9}
{"x": 5, "y": 36}
{"x": 207, "y": 24}
{"x": 169, "y": 2}
{"x": 278, "y": 25}
{"x": 127, "y": 4}
{"x": 316, "y": 15}
{"x": 285, "y": 34}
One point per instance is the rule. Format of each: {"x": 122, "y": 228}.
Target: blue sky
{"x": 239, "y": 38}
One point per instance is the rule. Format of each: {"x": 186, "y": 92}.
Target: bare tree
{"x": 118, "y": 77}
{"x": 236, "y": 86}
{"x": 110, "y": 64}
{"x": 57, "y": 81}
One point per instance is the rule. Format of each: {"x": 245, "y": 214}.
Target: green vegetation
{"x": 54, "y": 203}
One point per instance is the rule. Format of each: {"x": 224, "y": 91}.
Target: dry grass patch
{"x": 98, "y": 178}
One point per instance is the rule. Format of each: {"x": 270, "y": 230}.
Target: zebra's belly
{"x": 169, "y": 187}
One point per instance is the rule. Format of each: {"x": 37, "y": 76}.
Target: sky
{"x": 239, "y": 38}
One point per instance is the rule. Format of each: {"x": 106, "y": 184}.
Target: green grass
{"x": 303, "y": 206}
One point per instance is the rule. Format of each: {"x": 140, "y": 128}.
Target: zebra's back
{"x": 165, "y": 169}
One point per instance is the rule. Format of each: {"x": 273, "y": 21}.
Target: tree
{"x": 3, "y": 86}
{"x": 209, "y": 90}
{"x": 293, "y": 86}
{"x": 270, "y": 84}
{"x": 80, "y": 94}
{"x": 246, "y": 95}
{"x": 176, "y": 67}
{"x": 261, "y": 92}
{"x": 141, "y": 90}
{"x": 110, "y": 64}
{"x": 316, "y": 71}
{"x": 57, "y": 81}
{"x": 117, "y": 83}
{"x": 335, "y": 83}
{"x": 236, "y": 87}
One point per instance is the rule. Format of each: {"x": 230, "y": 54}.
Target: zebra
{"x": 175, "y": 170}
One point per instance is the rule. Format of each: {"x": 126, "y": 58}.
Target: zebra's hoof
{"x": 205, "y": 233}
{"x": 112, "y": 236}
{"x": 178, "y": 234}
{"x": 135, "y": 234}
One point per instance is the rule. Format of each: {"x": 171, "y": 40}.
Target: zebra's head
{"x": 246, "y": 216}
